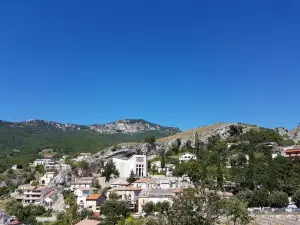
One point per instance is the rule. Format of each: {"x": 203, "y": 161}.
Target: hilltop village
{"x": 252, "y": 170}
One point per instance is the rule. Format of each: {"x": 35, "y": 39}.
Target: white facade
{"x": 155, "y": 196}
{"x": 136, "y": 163}
{"x": 83, "y": 182}
{"x": 144, "y": 183}
{"x": 81, "y": 195}
{"x": 35, "y": 195}
{"x": 47, "y": 178}
{"x": 42, "y": 162}
{"x": 186, "y": 157}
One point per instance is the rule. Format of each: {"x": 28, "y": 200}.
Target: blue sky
{"x": 176, "y": 63}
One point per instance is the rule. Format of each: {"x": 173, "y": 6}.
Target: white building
{"x": 128, "y": 194}
{"x": 47, "y": 178}
{"x": 136, "y": 163}
{"x": 42, "y": 162}
{"x": 94, "y": 202}
{"x": 155, "y": 195}
{"x": 144, "y": 183}
{"x": 86, "y": 182}
{"x": 82, "y": 156}
{"x": 35, "y": 195}
{"x": 187, "y": 157}
{"x": 119, "y": 183}
{"x": 81, "y": 194}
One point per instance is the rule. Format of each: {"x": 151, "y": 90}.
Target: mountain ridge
{"x": 125, "y": 126}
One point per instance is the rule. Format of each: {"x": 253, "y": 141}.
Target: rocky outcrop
{"x": 295, "y": 133}
{"x": 131, "y": 126}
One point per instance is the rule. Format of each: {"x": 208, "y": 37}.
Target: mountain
{"x": 131, "y": 127}
{"x": 30, "y": 137}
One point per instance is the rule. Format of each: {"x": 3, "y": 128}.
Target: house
{"x": 47, "y": 178}
{"x": 187, "y": 157}
{"x": 50, "y": 165}
{"x": 135, "y": 163}
{"x": 128, "y": 194}
{"x": 4, "y": 218}
{"x": 94, "y": 201}
{"x": 88, "y": 222}
{"x": 82, "y": 182}
{"x": 155, "y": 195}
{"x": 42, "y": 162}
{"x": 82, "y": 156}
{"x": 168, "y": 184}
{"x": 14, "y": 167}
{"x": 50, "y": 197}
{"x": 81, "y": 195}
{"x": 35, "y": 194}
{"x": 119, "y": 183}
{"x": 292, "y": 153}
{"x": 14, "y": 222}
{"x": 144, "y": 183}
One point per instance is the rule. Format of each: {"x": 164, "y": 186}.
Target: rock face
{"x": 130, "y": 127}
{"x": 295, "y": 133}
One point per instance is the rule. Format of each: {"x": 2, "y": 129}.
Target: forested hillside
{"x": 21, "y": 142}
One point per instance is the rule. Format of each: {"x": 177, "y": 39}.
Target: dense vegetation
{"x": 20, "y": 144}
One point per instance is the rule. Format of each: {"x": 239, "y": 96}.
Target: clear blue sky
{"x": 177, "y": 63}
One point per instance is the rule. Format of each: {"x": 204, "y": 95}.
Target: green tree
{"x": 34, "y": 183}
{"x": 40, "y": 169}
{"x": 237, "y": 211}
{"x": 163, "y": 206}
{"x": 163, "y": 160}
{"x": 149, "y": 207}
{"x": 150, "y": 140}
{"x": 114, "y": 210}
{"x": 113, "y": 195}
{"x": 296, "y": 198}
{"x": 109, "y": 170}
{"x": 131, "y": 177}
{"x": 260, "y": 197}
{"x": 195, "y": 206}
{"x": 278, "y": 199}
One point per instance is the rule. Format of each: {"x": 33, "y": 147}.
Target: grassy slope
{"x": 189, "y": 134}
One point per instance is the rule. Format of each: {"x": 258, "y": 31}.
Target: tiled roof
{"x": 88, "y": 222}
{"x": 157, "y": 193}
{"x": 84, "y": 188}
{"x": 50, "y": 194}
{"x": 14, "y": 222}
{"x": 126, "y": 188}
{"x": 93, "y": 197}
{"x": 143, "y": 180}
{"x": 292, "y": 150}
{"x": 122, "y": 182}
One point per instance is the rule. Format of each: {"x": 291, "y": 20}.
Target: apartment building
{"x": 35, "y": 194}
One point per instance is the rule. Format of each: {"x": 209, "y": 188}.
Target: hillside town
{"x": 137, "y": 179}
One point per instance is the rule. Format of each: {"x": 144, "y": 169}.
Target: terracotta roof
{"x": 93, "y": 197}
{"x": 143, "y": 180}
{"x": 50, "y": 194}
{"x": 292, "y": 150}
{"x": 48, "y": 156}
{"x": 14, "y": 222}
{"x": 88, "y": 222}
{"x": 126, "y": 188}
